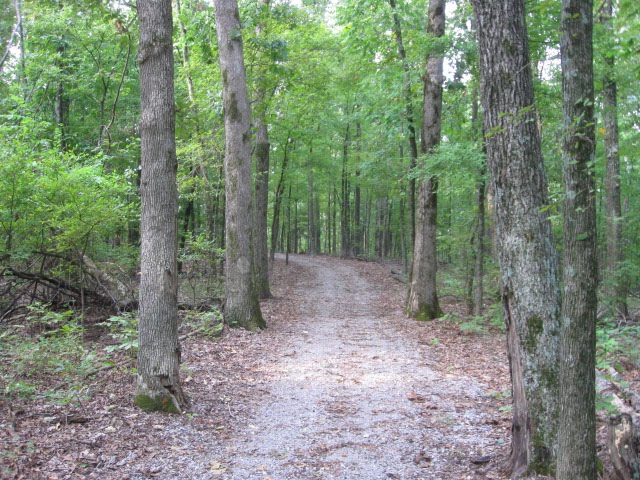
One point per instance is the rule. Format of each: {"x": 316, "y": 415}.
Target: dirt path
{"x": 352, "y": 395}
{"x": 341, "y": 386}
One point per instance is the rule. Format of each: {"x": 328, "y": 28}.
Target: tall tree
{"x": 408, "y": 101}
{"x": 528, "y": 264}
{"x": 261, "y": 253}
{"x": 241, "y": 306}
{"x": 159, "y": 351}
{"x": 616, "y": 283}
{"x": 577, "y": 428}
{"x": 345, "y": 217}
{"x": 422, "y": 297}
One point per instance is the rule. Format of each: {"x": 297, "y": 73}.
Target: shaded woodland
{"x": 155, "y": 157}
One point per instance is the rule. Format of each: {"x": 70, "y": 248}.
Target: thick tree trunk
{"x": 528, "y": 264}
{"x": 262, "y": 200}
{"x": 241, "y": 307}
{"x": 261, "y": 254}
{"x": 159, "y": 351}
{"x": 408, "y": 102}
{"x": 616, "y": 282}
{"x": 577, "y": 427}
{"x": 422, "y": 296}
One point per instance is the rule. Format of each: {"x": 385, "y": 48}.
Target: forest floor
{"x": 340, "y": 386}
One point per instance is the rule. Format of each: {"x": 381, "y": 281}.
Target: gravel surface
{"x": 342, "y": 400}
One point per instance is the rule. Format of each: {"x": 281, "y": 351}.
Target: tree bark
{"x": 357, "y": 223}
{"x": 275, "y": 222}
{"x": 158, "y": 385}
{"x": 422, "y": 296}
{"x": 311, "y": 218}
{"x": 261, "y": 253}
{"x": 262, "y": 200}
{"x": 61, "y": 107}
{"x": 345, "y": 220}
{"x": 481, "y": 195}
{"x": 528, "y": 263}
{"x": 408, "y": 102}
{"x": 241, "y": 307}
{"x": 478, "y": 269}
{"x": 616, "y": 282}
{"x": 577, "y": 427}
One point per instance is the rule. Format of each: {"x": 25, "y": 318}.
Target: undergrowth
{"x": 45, "y": 355}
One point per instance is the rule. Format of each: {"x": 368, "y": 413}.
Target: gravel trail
{"x": 341, "y": 400}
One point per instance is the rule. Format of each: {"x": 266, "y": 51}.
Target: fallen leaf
{"x": 414, "y": 397}
{"x": 216, "y": 468}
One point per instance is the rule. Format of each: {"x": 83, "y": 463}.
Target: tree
{"x": 241, "y": 307}
{"x": 528, "y": 265}
{"x": 159, "y": 351}
{"x": 261, "y": 253}
{"x": 616, "y": 283}
{"x": 422, "y": 297}
{"x": 406, "y": 90}
{"x": 577, "y": 428}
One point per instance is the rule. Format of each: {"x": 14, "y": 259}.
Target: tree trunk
{"x": 261, "y": 253}
{"x": 422, "y": 296}
{"x": 528, "y": 264}
{"x": 288, "y": 251}
{"x": 577, "y": 427}
{"x": 357, "y": 226}
{"x": 334, "y": 221}
{"x": 316, "y": 223}
{"x": 262, "y": 200}
{"x": 345, "y": 238}
{"x": 296, "y": 237}
{"x": 616, "y": 282}
{"x": 327, "y": 238}
{"x": 241, "y": 307}
{"x": 408, "y": 102}
{"x": 158, "y": 382}
{"x": 481, "y": 195}
{"x": 311, "y": 237}
{"x": 478, "y": 270}
{"x": 275, "y": 222}
{"x": 61, "y": 108}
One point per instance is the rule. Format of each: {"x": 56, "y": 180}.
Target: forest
{"x": 462, "y": 173}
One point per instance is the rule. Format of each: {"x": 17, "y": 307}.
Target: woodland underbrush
{"x": 49, "y": 351}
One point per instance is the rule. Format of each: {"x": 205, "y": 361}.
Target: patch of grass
{"x": 473, "y": 326}
{"x": 45, "y": 356}
{"x": 209, "y": 323}
{"x": 615, "y": 343}
{"x": 123, "y": 329}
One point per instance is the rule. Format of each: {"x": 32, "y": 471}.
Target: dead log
{"x": 624, "y": 445}
{"x": 110, "y": 286}
{"x": 62, "y": 286}
{"x": 624, "y": 435}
